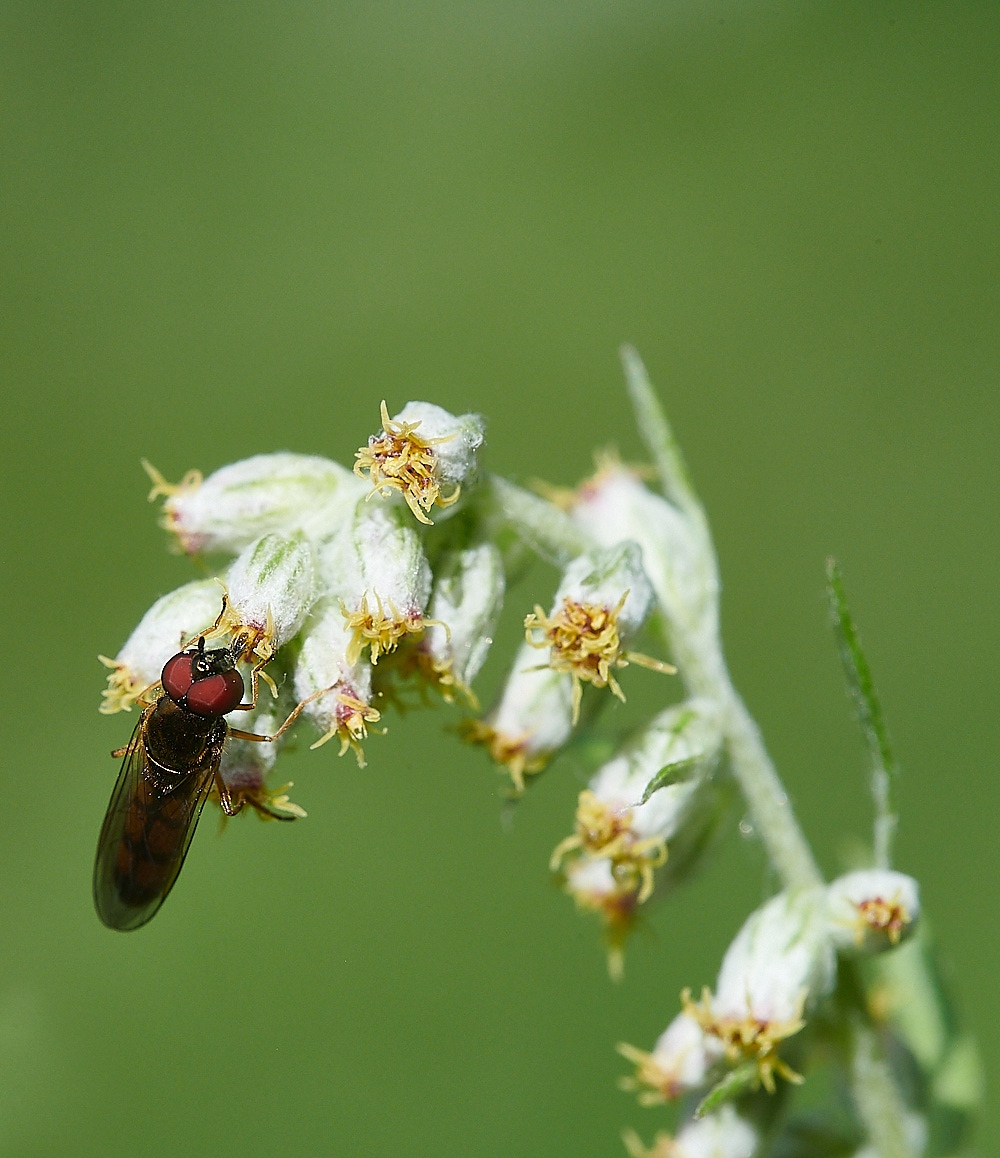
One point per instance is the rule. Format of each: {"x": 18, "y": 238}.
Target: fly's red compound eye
{"x": 215, "y": 695}
{"x": 176, "y": 676}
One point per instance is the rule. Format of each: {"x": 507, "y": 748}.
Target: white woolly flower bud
{"x": 163, "y": 630}
{"x": 610, "y": 579}
{"x": 686, "y": 735}
{"x": 456, "y": 439}
{"x": 872, "y": 910}
{"x": 615, "y": 506}
{"x": 324, "y": 662}
{"x": 681, "y": 1060}
{"x": 268, "y": 492}
{"x": 722, "y": 1134}
{"x": 465, "y": 605}
{"x": 532, "y": 720}
{"x": 376, "y": 567}
{"x": 602, "y": 602}
{"x": 271, "y": 586}
{"x": 421, "y": 453}
{"x": 613, "y": 826}
{"x": 780, "y": 962}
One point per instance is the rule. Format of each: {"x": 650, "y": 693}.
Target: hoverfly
{"x": 171, "y": 763}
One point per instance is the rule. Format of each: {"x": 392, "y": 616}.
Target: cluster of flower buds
{"x": 337, "y": 584}
{"x": 779, "y": 967}
{"x": 601, "y": 604}
{"x": 325, "y": 582}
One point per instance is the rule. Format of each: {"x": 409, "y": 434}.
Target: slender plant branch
{"x": 770, "y": 810}
{"x": 547, "y": 530}
{"x": 876, "y": 1095}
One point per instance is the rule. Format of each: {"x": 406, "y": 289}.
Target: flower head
{"x": 268, "y": 492}
{"x": 722, "y": 1134}
{"x": 780, "y": 961}
{"x": 271, "y": 586}
{"x": 613, "y": 823}
{"x": 872, "y": 910}
{"x": 376, "y": 567}
{"x": 532, "y": 720}
{"x": 346, "y": 710}
{"x": 602, "y": 601}
{"x": 681, "y": 1060}
{"x": 419, "y": 465}
{"x": 245, "y": 764}
{"x": 465, "y": 605}
{"x": 166, "y": 627}
{"x": 614, "y": 506}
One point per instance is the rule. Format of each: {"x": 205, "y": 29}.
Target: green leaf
{"x": 866, "y": 702}
{"x": 738, "y": 1081}
{"x": 670, "y": 774}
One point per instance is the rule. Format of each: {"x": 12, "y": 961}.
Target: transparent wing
{"x": 146, "y": 833}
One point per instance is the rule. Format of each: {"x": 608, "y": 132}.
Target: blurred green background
{"x": 234, "y": 228}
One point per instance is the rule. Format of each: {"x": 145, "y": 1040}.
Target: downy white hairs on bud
{"x": 722, "y": 1134}
{"x": 616, "y": 824}
{"x": 614, "y": 506}
{"x": 271, "y": 586}
{"x": 465, "y": 606}
{"x": 324, "y": 662}
{"x": 602, "y": 603}
{"x": 163, "y": 630}
{"x": 872, "y": 910}
{"x": 268, "y": 492}
{"x": 780, "y": 963}
{"x": 425, "y": 454}
{"x": 532, "y": 720}
{"x": 376, "y": 567}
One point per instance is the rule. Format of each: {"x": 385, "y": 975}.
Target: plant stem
{"x": 699, "y": 655}
{"x": 876, "y": 1096}
{"x": 546, "y": 529}
{"x": 703, "y": 666}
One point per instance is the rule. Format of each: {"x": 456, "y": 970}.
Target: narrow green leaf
{"x": 866, "y": 702}
{"x": 670, "y": 774}
{"x": 738, "y": 1081}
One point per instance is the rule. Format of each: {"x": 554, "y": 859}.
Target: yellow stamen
{"x": 438, "y": 674}
{"x": 380, "y": 630}
{"x": 278, "y": 800}
{"x": 663, "y": 1146}
{"x": 251, "y": 643}
{"x": 161, "y": 488}
{"x": 605, "y": 832}
{"x": 749, "y": 1038}
{"x": 583, "y": 640}
{"x": 606, "y": 462}
{"x": 883, "y": 916}
{"x": 123, "y": 688}
{"x": 352, "y": 728}
{"x": 264, "y": 801}
{"x": 401, "y": 460}
{"x": 653, "y": 1084}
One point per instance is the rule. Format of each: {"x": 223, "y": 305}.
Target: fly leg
{"x": 293, "y": 716}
